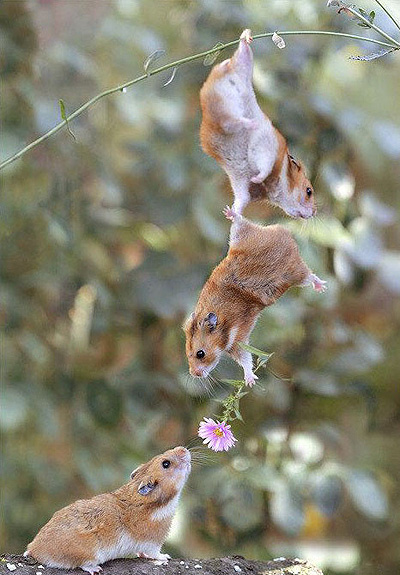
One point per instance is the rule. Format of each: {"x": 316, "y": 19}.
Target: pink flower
{"x": 218, "y": 434}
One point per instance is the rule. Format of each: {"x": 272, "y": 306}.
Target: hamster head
{"x": 300, "y": 202}
{"x": 203, "y": 345}
{"x": 164, "y": 476}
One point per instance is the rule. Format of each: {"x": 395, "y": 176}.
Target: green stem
{"x": 388, "y": 13}
{"x": 229, "y": 404}
{"x": 373, "y": 26}
{"x": 92, "y": 101}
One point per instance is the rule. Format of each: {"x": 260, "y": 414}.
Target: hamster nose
{"x": 198, "y": 372}
{"x": 182, "y": 451}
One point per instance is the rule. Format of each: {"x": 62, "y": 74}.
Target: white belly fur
{"x": 126, "y": 546}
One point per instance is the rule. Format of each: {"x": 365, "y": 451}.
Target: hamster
{"x": 262, "y": 263}
{"x": 253, "y": 153}
{"x": 134, "y": 519}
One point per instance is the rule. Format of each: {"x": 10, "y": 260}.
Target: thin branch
{"x": 177, "y": 63}
{"x": 371, "y": 25}
{"x": 388, "y": 13}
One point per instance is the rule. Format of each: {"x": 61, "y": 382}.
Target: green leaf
{"x": 235, "y": 382}
{"x": 238, "y": 415}
{"x": 258, "y": 352}
{"x": 64, "y": 117}
{"x": 210, "y": 58}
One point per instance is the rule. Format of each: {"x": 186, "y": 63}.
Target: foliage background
{"x": 107, "y": 240}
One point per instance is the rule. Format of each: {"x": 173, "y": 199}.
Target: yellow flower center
{"x": 218, "y": 432}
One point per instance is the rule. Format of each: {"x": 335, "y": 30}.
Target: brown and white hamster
{"x": 254, "y": 154}
{"x": 262, "y": 263}
{"x": 134, "y": 519}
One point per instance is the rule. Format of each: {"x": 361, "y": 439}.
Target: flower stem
{"x": 231, "y": 403}
{"x": 388, "y": 13}
{"x": 219, "y": 48}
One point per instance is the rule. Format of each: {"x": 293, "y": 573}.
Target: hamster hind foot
{"x": 246, "y": 35}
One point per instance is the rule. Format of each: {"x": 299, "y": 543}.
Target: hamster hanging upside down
{"x": 133, "y": 520}
{"x": 253, "y": 153}
{"x": 262, "y": 263}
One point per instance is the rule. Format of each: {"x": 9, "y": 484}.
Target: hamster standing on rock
{"x": 134, "y": 519}
{"x": 253, "y": 153}
{"x": 262, "y": 263}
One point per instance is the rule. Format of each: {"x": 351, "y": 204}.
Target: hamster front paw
{"x": 250, "y": 379}
{"x": 229, "y": 213}
{"x": 318, "y": 284}
{"x": 259, "y": 178}
{"x": 92, "y": 569}
{"x": 249, "y": 123}
{"x": 163, "y": 557}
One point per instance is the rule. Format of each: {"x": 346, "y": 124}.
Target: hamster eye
{"x": 309, "y": 192}
{"x": 200, "y": 354}
{"x": 166, "y": 463}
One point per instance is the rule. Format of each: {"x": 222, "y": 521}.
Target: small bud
{"x": 278, "y": 40}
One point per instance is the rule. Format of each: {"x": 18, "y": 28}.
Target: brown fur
{"x": 262, "y": 263}
{"x": 74, "y": 534}
{"x": 286, "y": 185}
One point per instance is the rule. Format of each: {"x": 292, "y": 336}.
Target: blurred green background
{"x": 107, "y": 240}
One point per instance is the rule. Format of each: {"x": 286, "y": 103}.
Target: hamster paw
{"x": 249, "y": 123}
{"x": 250, "y": 379}
{"x": 246, "y": 35}
{"x": 163, "y": 557}
{"x": 259, "y": 178}
{"x": 229, "y": 213}
{"x": 318, "y": 284}
{"x": 92, "y": 569}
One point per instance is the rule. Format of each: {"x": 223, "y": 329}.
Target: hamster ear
{"x": 146, "y": 487}
{"x": 135, "y": 471}
{"x": 294, "y": 162}
{"x": 211, "y": 320}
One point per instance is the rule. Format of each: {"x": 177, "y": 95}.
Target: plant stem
{"x": 230, "y": 402}
{"x": 388, "y": 13}
{"x": 372, "y": 25}
{"x": 219, "y": 48}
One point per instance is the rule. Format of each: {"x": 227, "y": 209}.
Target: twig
{"x": 388, "y": 13}
{"x": 177, "y": 63}
{"x": 371, "y": 25}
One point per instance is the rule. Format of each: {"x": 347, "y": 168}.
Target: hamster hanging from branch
{"x": 132, "y": 520}
{"x": 262, "y": 263}
{"x": 253, "y": 153}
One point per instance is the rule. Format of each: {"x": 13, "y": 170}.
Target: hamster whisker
{"x": 216, "y": 380}
{"x": 202, "y": 458}
{"x": 193, "y": 444}
{"x": 200, "y": 453}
